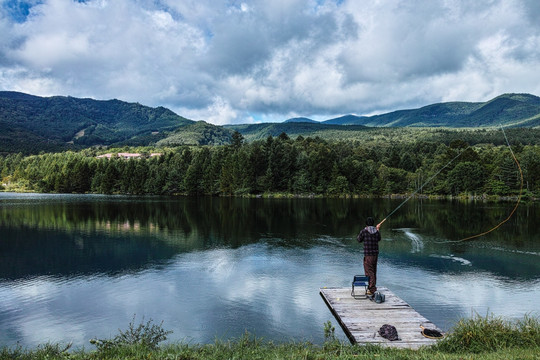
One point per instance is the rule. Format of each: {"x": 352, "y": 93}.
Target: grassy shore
{"x": 476, "y": 338}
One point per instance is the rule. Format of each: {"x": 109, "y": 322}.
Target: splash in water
{"x": 460, "y": 260}
{"x": 416, "y": 241}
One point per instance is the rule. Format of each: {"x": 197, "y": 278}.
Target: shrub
{"x": 146, "y": 335}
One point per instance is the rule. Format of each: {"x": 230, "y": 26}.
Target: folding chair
{"x": 360, "y": 280}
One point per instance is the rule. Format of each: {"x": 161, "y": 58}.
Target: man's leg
{"x": 370, "y": 268}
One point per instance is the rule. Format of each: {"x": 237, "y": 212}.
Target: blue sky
{"x": 252, "y": 61}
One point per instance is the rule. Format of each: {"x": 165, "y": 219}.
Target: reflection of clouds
{"x": 484, "y": 294}
{"x": 35, "y": 333}
{"x": 259, "y": 288}
{"x": 36, "y": 312}
{"x": 37, "y": 289}
{"x": 444, "y": 298}
{"x": 269, "y": 290}
{"x": 254, "y": 274}
{"x": 219, "y": 263}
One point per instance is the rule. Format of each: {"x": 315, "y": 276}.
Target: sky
{"x": 227, "y": 61}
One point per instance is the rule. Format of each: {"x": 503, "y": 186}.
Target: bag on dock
{"x": 389, "y": 332}
{"x": 378, "y": 297}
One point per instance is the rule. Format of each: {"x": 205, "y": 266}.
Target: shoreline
{"x": 483, "y": 197}
{"x": 496, "y": 338}
{"x": 279, "y": 195}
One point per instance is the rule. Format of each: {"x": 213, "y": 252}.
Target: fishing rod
{"x": 421, "y": 187}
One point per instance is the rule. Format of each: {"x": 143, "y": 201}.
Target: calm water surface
{"x": 77, "y": 267}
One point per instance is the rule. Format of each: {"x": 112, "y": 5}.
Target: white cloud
{"x": 219, "y": 112}
{"x": 226, "y": 61}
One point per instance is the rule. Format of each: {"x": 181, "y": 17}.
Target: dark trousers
{"x": 370, "y": 269}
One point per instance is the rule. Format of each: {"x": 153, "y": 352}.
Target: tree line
{"x": 284, "y": 165}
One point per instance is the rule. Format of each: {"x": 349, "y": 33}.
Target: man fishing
{"x": 370, "y": 236}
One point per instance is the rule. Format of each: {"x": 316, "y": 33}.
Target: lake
{"x": 77, "y": 267}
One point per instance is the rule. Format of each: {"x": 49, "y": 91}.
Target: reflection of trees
{"x": 29, "y": 252}
{"x": 114, "y": 234}
{"x": 186, "y": 222}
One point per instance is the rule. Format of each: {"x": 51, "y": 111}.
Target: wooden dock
{"x": 361, "y": 319}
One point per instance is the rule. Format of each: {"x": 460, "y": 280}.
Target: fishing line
{"x": 422, "y": 186}
{"x": 517, "y": 203}
{"x": 485, "y": 232}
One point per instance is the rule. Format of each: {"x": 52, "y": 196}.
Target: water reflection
{"x": 77, "y": 267}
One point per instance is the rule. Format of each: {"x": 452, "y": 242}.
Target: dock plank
{"x": 361, "y": 319}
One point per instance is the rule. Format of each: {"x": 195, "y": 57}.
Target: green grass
{"x": 486, "y": 334}
{"x": 476, "y": 338}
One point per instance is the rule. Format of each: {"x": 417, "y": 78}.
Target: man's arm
{"x": 360, "y": 236}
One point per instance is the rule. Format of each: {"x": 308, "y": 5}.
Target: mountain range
{"x": 514, "y": 110}
{"x": 509, "y": 110}
{"x": 32, "y": 124}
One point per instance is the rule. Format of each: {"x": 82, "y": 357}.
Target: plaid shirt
{"x": 370, "y": 236}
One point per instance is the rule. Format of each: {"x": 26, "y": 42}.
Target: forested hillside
{"x": 376, "y": 135}
{"x": 31, "y": 123}
{"x": 308, "y": 166}
{"x": 262, "y": 131}
{"x": 199, "y": 133}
